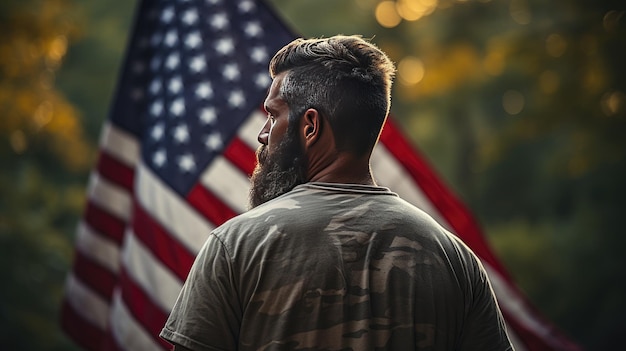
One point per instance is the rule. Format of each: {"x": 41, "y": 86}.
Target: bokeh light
{"x": 513, "y": 102}
{"x": 410, "y": 70}
{"x": 387, "y": 15}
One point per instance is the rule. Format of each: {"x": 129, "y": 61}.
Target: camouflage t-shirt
{"x": 336, "y": 267}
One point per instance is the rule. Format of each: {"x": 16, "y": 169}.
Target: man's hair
{"x": 345, "y": 78}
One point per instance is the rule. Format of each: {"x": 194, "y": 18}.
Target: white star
{"x": 159, "y": 158}
{"x": 262, "y": 80}
{"x": 175, "y": 85}
{"x": 213, "y": 141}
{"x": 155, "y": 86}
{"x": 178, "y": 107}
{"x": 190, "y": 16}
{"x": 225, "y": 46}
{"x": 259, "y": 54}
{"x": 193, "y": 40}
{"x": 156, "y": 108}
{"x": 197, "y": 64}
{"x": 204, "y": 90}
{"x": 171, "y": 38}
{"x": 246, "y": 6}
{"x": 208, "y": 115}
{"x": 167, "y": 15}
{"x": 181, "y": 133}
{"x": 187, "y": 163}
{"x": 219, "y": 21}
{"x": 231, "y": 72}
{"x": 157, "y": 131}
{"x": 253, "y": 29}
{"x": 172, "y": 60}
{"x": 236, "y": 98}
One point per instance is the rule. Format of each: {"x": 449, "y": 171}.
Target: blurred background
{"x": 520, "y": 105}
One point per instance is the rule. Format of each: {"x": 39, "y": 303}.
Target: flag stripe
{"x": 127, "y": 333}
{"x": 171, "y": 211}
{"x": 140, "y": 305}
{"x": 79, "y": 328}
{"x": 110, "y": 197}
{"x": 161, "y": 243}
{"x": 241, "y": 156}
{"x": 227, "y": 183}
{"x": 104, "y": 222}
{"x": 115, "y": 171}
{"x": 249, "y": 130}
{"x": 99, "y": 279}
{"x": 120, "y": 144}
{"x": 98, "y": 247}
{"x": 86, "y": 303}
{"x": 148, "y": 272}
{"x": 209, "y": 205}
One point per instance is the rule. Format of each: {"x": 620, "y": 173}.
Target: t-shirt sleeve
{"x": 206, "y": 315}
{"x": 484, "y": 327}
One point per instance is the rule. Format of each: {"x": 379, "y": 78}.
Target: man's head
{"x": 324, "y": 91}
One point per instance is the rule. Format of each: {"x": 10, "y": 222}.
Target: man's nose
{"x": 264, "y": 133}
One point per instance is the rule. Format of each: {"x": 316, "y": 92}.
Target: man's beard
{"x": 276, "y": 174}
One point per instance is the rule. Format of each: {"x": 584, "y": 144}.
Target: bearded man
{"x": 325, "y": 259}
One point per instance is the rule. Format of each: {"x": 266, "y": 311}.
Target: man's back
{"x": 336, "y": 267}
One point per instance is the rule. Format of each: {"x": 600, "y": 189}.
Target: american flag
{"x": 175, "y": 156}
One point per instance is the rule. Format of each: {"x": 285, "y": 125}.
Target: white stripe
{"x": 388, "y": 172}
{"x": 109, "y": 196}
{"x": 127, "y": 332}
{"x": 513, "y": 304}
{"x": 120, "y": 144}
{"x": 228, "y": 183}
{"x": 86, "y": 303}
{"x": 249, "y": 131}
{"x": 171, "y": 211}
{"x": 148, "y": 272}
{"x": 105, "y": 252}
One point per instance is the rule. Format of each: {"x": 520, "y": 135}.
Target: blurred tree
{"x": 45, "y": 156}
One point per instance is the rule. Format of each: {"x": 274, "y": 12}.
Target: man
{"x": 325, "y": 259}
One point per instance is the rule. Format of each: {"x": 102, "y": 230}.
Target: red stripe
{"x": 149, "y": 315}
{"x": 444, "y": 201}
{"x": 104, "y": 223}
{"x": 109, "y": 343}
{"x": 98, "y": 278}
{"x": 241, "y": 155}
{"x": 209, "y": 205}
{"x": 81, "y": 330}
{"x": 159, "y": 241}
{"x": 115, "y": 171}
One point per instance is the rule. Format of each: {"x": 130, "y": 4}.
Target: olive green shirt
{"x": 336, "y": 267}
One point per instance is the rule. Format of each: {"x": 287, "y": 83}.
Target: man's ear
{"x": 311, "y": 127}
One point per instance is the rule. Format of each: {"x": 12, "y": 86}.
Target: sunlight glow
{"x": 387, "y": 15}
{"x": 411, "y": 70}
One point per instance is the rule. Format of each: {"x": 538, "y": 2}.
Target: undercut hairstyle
{"x": 346, "y": 79}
